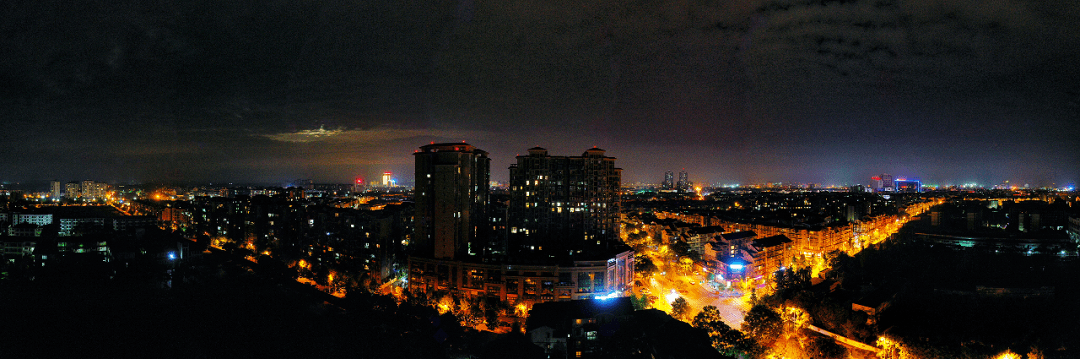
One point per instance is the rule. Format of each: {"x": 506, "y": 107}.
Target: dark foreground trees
{"x": 726, "y": 340}
{"x": 763, "y": 325}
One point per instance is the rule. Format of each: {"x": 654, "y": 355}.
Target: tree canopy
{"x": 725, "y": 339}
{"x": 763, "y": 324}
{"x": 643, "y": 265}
{"x": 680, "y": 308}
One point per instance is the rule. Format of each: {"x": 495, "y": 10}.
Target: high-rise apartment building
{"x": 54, "y": 189}
{"x": 72, "y": 190}
{"x": 563, "y": 204}
{"x": 669, "y": 180}
{"x": 451, "y": 200}
{"x": 88, "y": 192}
{"x": 684, "y": 181}
{"x": 577, "y": 194}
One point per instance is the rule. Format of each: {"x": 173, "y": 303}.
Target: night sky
{"x": 949, "y": 91}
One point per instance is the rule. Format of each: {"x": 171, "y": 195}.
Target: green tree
{"x": 825, "y": 348}
{"x": 843, "y": 268}
{"x": 838, "y": 259}
{"x": 763, "y": 325}
{"x": 680, "y": 248}
{"x": 789, "y": 282}
{"x": 639, "y": 303}
{"x": 643, "y": 265}
{"x": 680, "y": 309}
{"x": 709, "y": 319}
{"x": 728, "y": 341}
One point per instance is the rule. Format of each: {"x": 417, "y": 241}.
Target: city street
{"x": 667, "y": 287}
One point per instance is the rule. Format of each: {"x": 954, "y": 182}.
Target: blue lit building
{"x": 908, "y": 186}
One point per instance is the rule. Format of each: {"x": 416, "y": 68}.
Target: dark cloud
{"x": 732, "y": 91}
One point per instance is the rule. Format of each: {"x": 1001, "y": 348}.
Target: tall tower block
{"x": 451, "y": 200}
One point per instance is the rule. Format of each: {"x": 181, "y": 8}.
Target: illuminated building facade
{"x": 87, "y": 190}
{"x": 525, "y": 283}
{"x": 684, "y": 181}
{"x": 887, "y": 183}
{"x": 908, "y": 186}
{"x": 451, "y": 200}
{"x": 387, "y": 179}
{"x": 72, "y": 190}
{"x": 550, "y": 196}
{"x": 771, "y": 254}
{"x": 564, "y": 204}
{"x": 745, "y": 254}
{"x": 71, "y": 220}
{"x": 883, "y": 183}
{"x": 669, "y": 180}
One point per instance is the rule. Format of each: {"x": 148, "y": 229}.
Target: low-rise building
{"x": 35, "y": 218}
{"x": 16, "y": 247}
{"x": 580, "y": 324}
{"x": 771, "y": 254}
{"x": 698, "y": 237}
{"x": 24, "y": 230}
{"x": 73, "y": 220}
{"x": 525, "y": 283}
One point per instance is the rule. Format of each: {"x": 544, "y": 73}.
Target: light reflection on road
{"x": 731, "y": 304}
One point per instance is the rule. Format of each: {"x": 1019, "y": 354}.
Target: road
{"x": 666, "y": 285}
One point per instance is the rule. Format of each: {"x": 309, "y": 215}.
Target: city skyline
{"x": 398, "y": 179}
{"x": 748, "y": 92}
